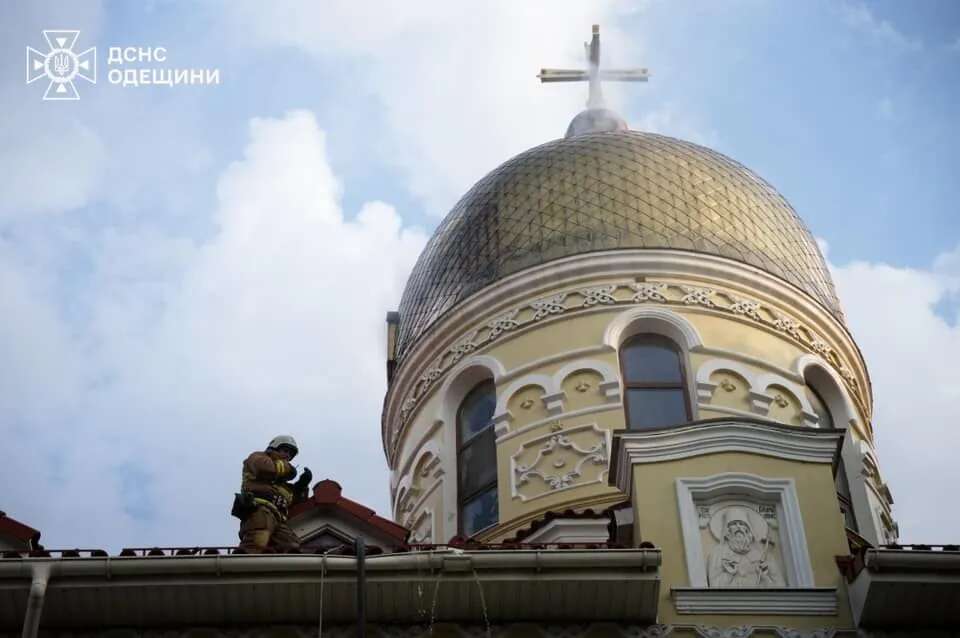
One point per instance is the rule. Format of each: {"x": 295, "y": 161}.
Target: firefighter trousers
{"x": 265, "y": 531}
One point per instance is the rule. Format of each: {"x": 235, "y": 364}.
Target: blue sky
{"x": 178, "y": 264}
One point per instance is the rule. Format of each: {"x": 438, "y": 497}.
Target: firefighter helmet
{"x": 284, "y": 439}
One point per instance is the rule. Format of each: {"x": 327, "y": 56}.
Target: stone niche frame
{"x": 780, "y": 492}
{"x": 799, "y": 597}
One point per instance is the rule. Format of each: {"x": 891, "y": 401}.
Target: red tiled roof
{"x": 327, "y": 495}
{"x": 15, "y": 528}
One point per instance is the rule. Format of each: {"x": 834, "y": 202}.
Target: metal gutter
{"x": 877, "y": 560}
{"x": 145, "y": 591}
{"x": 444, "y": 560}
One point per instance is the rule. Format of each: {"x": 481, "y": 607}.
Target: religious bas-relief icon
{"x": 745, "y": 555}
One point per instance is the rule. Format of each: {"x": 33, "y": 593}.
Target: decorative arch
{"x": 461, "y": 380}
{"x": 706, "y": 387}
{"x": 611, "y": 377}
{"x": 820, "y": 375}
{"x": 763, "y": 383}
{"x": 403, "y": 493}
{"x": 652, "y": 320}
{"x": 426, "y": 460}
{"x": 502, "y": 416}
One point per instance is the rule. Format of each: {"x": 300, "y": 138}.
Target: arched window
{"x": 655, "y": 393}
{"x": 477, "y": 460}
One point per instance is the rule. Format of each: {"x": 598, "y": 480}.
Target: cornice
{"x": 811, "y": 601}
{"x": 714, "y": 436}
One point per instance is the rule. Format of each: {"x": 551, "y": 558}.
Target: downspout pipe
{"x": 35, "y": 599}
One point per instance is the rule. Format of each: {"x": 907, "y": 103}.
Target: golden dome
{"x": 606, "y": 191}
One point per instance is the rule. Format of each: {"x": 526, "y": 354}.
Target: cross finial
{"x": 593, "y": 74}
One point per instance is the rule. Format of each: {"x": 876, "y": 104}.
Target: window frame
{"x": 463, "y": 499}
{"x": 682, "y": 385}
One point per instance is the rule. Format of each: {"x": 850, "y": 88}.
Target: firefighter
{"x": 267, "y": 494}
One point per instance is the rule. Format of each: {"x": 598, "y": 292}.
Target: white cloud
{"x": 51, "y": 160}
{"x": 194, "y": 355}
{"x": 859, "y": 16}
{"x": 48, "y": 167}
{"x": 911, "y": 353}
{"x": 458, "y": 89}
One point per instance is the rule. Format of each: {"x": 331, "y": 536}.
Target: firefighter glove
{"x": 305, "y": 477}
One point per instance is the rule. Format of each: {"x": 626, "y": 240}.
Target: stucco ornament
{"x": 598, "y": 295}
{"x": 742, "y": 556}
{"x": 649, "y": 292}
{"x": 560, "y": 462}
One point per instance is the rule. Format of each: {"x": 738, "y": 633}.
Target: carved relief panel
{"x": 741, "y": 544}
{"x": 743, "y": 531}
{"x": 559, "y": 460}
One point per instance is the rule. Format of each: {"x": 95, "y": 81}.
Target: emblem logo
{"x": 61, "y": 66}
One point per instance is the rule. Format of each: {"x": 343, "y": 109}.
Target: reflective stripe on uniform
{"x": 270, "y": 506}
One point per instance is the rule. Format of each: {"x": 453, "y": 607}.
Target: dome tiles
{"x": 608, "y": 191}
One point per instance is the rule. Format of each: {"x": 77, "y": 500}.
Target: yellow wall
{"x": 557, "y": 340}
{"x": 657, "y": 520}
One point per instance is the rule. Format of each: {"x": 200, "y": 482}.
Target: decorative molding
{"x": 652, "y": 319}
{"x": 422, "y": 528}
{"x": 572, "y": 530}
{"x": 735, "y": 282}
{"x": 758, "y": 384}
{"x": 652, "y": 631}
{"x": 542, "y": 381}
{"x": 710, "y": 437}
{"x": 741, "y": 631}
{"x": 700, "y": 297}
{"x": 813, "y": 601}
{"x": 554, "y": 402}
{"x": 786, "y": 632}
{"x": 553, "y": 471}
{"x": 625, "y": 293}
{"x": 780, "y": 492}
{"x": 554, "y": 397}
{"x": 508, "y": 434}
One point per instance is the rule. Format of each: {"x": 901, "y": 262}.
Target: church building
{"x": 622, "y": 400}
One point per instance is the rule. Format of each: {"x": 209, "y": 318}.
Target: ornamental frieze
{"x": 625, "y": 293}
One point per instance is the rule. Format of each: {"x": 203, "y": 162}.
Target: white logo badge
{"x": 61, "y": 65}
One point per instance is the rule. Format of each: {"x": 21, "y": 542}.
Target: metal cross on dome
{"x": 593, "y": 74}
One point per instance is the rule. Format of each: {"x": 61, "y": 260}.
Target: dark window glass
{"x": 476, "y": 410}
{"x": 655, "y": 394}
{"x": 651, "y": 361}
{"x": 656, "y": 407}
{"x": 478, "y": 463}
{"x": 477, "y": 459}
{"x": 479, "y": 512}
